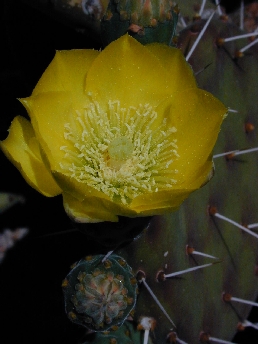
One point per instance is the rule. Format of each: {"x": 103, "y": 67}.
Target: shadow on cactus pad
{"x": 126, "y": 334}
{"x": 100, "y": 293}
{"x": 110, "y": 235}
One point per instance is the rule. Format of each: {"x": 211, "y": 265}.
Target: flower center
{"x": 121, "y": 148}
{"x": 121, "y": 152}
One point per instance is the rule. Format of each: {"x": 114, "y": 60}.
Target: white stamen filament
{"x": 120, "y": 152}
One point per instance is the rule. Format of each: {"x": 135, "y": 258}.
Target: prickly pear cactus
{"x": 194, "y": 300}
{"x": 191, "y": 265}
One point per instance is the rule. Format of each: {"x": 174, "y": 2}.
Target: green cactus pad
{"x": 148, "y": 21}
{"x": 194, "y": 300}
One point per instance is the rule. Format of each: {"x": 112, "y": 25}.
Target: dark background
{"x": 31, "y": 300}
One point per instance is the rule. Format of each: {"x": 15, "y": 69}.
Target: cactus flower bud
{"x": 147, "y": 21}
{"x": 99, "y": 295}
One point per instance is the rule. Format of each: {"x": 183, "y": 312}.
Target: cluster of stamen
{"x": 120, "y": 152}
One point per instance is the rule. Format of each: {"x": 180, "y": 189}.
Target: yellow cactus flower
{"x": 121, "y": 132}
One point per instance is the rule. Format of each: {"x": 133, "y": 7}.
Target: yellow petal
{"x": 127, "y": 71}
{"x": 170, "y": 199}
{"x": 132, "y": 74}
{"x": 49, "y": 112}
{"x": 83, "y": 193}
{"x": 197, "y": 116}
{"x": 160, "y": 202}
{"x": 66, "y": 72}
{"x": 92, "y": 209}
{"x": 88, "y": 211}
{"x": 179, "y": 71}
{"x": 78, "y": 190}
{"x": 23, "y": 151}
